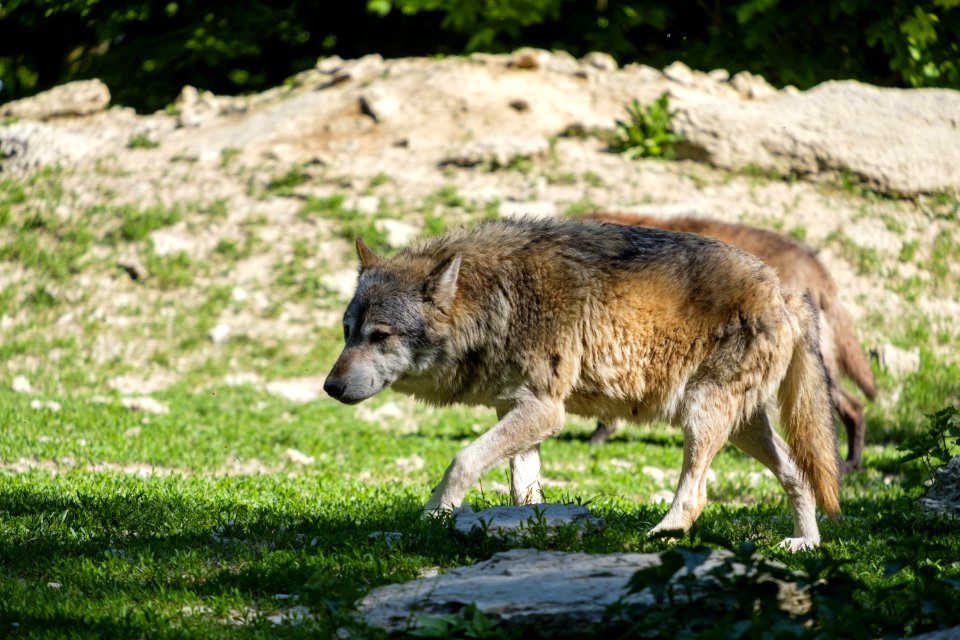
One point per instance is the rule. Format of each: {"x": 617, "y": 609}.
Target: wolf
{"x": 798, "y": 267}
{"x": 537, "y": 318}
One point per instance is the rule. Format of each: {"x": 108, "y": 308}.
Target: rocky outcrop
{"x": 74, "y": 99}
{"x": 491, "y": 110}
{"x": 943, "y": 497}
{"x": 522, "y": 520}
{"x": 894, "y": 140}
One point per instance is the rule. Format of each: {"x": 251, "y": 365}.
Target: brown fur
{"x": 798, "y": 268}
{"x": 539, "y": 318}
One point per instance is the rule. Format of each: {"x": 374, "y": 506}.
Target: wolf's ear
{"x": 368, "y": 258}
{"x": 441, "y": 285}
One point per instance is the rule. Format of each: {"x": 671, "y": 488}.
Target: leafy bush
{"x": 740, "y": 597}
{"x": 146, "y": 52}
{"x": 647, "y": 133}
{"x": 935, "y": 446}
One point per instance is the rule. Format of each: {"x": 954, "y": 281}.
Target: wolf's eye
{"x": 378, "y": 335}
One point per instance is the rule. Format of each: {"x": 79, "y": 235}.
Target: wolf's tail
{"x": 805, "y": 409}
{"x": 850, "y": 356}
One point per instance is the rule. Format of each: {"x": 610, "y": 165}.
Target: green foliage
{"x": 487, "y": 24}
{"x": 136, "y": 224}
{"x": 170, "y": 271}
{"x": 934, "y": 446}
{"x": 142, "y": 141}
{"x": 647, "y": 133}
{"x": 284, "y": 185}
{"x": 146, "y": 52}
{"x": 743, "y": 595}
{"x": 468, "y": 623}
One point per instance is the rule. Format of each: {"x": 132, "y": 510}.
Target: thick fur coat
{"x": 536, "y": 318}
{"x": 798, "y": 268}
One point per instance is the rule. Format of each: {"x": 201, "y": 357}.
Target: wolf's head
{"x": 395, "y": 324}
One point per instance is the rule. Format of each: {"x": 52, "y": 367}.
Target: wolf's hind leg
{"x": 704, "y": 433}
{"x": 758, "y": 439}
{"x": 525, "y": 477}
{"x": 518, "y": 432}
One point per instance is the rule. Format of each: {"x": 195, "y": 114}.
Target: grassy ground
{"x": 196, "y": 524}
{"x": 240, "y": 514}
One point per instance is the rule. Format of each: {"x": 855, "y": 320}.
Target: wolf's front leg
{"x": 519, "y": 431}
{"x": 525, "y": 477}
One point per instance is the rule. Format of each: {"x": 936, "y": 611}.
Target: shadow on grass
{"x": 132, "y": 554}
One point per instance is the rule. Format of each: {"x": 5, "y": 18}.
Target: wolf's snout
{"x": 334, "y": 387}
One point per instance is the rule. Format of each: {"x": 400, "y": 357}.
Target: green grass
{"x": 284, "y": 184}
{"x": 142, "y": 141}
{"x": 224, "y": 531}
{"x": 196, "y": 524}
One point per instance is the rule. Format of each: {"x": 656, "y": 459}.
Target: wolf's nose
{"x": 334, "y": 387}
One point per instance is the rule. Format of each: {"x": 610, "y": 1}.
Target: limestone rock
{"x": 343, "y": 282}
{"x": 898, "y": 362}
{"x": 80, "y": 98}
{"x": 27, "y": 146}
{"x": 398, "y": 232}
{"x": 548, "y": 594}
{"x": 895, "y": 141}
{"x": 600, "y": 60}
{"x": 498, "y": 151}
{"x": 298, "y": 390}
{"x": 529, "y": 58}
{"x": 944, "y": 495}
{"x": 21, "y": 384}
{"x": 380, "y": 104}
{"x": 517, "y": 520}
{"x": 145, "y": 404}
{"x": 535, "y": 209}
{"x": 752, "y": 87}
{"x": 194, "y": 107}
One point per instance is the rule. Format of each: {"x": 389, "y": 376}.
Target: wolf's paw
{"x": 436, "y": 512}
{"x": 442, "y": 510}
{"x": 667, "y": 533}
{"x": 799, "y": 544}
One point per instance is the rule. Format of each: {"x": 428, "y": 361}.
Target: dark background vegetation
{"x": 146, "y": 51}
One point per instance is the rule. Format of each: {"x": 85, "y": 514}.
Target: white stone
{"x": 657, "y": 474}
{"x": 662, "y": 497}
{"x": 21, "y": 384}
{"x": 342, "y": 282}
{"x": 297, "y": 457}
{"x": 679, "y": 72}
{"x": 498, "y": 151}
{"x": 219, "y": 333}
{"x": 398, "y": 232}
{"x": 168, "y": 242}
{"x": 534, "y": 209}
{"x": 80, "y": 98}
{"x": 146, "y": 404}
{"x": 600, "y": 60}
{"x": 380, "y": 103}
{"x": 516, "y": 520}
{"x": 943, "y": 496}
{"x": 299, "y": 390}
{"x": 899, "y": 362}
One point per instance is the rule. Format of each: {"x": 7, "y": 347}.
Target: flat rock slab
{"x": 561, "y": 594}
{"x": 509, "y": 520}
{"x": 545, "y": 594}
